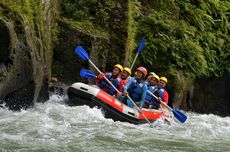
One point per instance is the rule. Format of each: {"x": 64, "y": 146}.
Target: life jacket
{"x": 148, "y": 96}
{"x": 122, "y": 83}
{"x": 154, "y": 102}
{"x": 163, "y": 95}
{"x": 135, "y": 90}
{"x": 160, "y": 92}
{"x": 105, "y": 86}
{"x": 125, "y": 81}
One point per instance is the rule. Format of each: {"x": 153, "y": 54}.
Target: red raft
{"x": 83, "y": 94}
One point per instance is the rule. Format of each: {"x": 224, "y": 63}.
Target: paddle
{"x": 180, "y": 116}
{"x": 84, "y": 55}
{"x": 140, "y": 47}
{"x": 87, "y": 74}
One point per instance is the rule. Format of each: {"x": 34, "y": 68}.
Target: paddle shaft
{"x": 140, "y": 47}
{"x": 103, "y": 75}
{"x": 134, "y": 61}
{"x": 139, "y": 110}
{"x": 160, "y": 100}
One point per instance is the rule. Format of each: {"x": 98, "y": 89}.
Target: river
{"x": 54, "y": 126}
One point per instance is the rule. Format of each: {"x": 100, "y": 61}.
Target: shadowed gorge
{"x": 5, "y": 60}
{"x": 4, "y": 44}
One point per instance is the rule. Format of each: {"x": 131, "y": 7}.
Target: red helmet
{"x": 143, "y": 70}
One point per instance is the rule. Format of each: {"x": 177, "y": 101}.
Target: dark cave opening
{"x": 4, "y": 48}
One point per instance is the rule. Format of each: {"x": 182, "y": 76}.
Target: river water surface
{"x": 54, "y": 126}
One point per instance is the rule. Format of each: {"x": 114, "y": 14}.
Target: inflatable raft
{"x": 83, "y": 94}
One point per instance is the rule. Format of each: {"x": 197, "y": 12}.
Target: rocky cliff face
{"x": 26, "y": 50}
{"x": 212, "y": 95}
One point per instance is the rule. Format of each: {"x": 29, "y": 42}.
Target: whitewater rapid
{"x": 55, "y": 126}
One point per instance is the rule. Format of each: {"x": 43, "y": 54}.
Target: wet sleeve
{"x": 144, "y": 91}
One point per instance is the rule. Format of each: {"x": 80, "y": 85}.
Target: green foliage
{"x": 87, "y": 27}
{"x": 96, "y": 12}
{"x": 105, "y": 19}
{"x": 192, "y": 38}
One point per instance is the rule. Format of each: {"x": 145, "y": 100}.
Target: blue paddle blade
{"x": 87, "y": 74}
{"x": 180, "y": 116}
{"x": 82, "y": 53}
{"x": 141, "y": 45}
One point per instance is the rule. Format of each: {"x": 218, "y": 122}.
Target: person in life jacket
{"x": 152, "y": 87}
{"x": 161, "y": 93}
{"x": 111, "y": 76}
{"x": 150, "y": 73}
{"x": 136, "y": 88}
{"x": 125, "y": 76}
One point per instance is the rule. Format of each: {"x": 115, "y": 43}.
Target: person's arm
{"x": 119, "y": 86}
{"x": 165, "y": 97}
{"x": 100, "y": 77}
{"x": 125, "y": 88}
{"x": 144, "y": 91}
